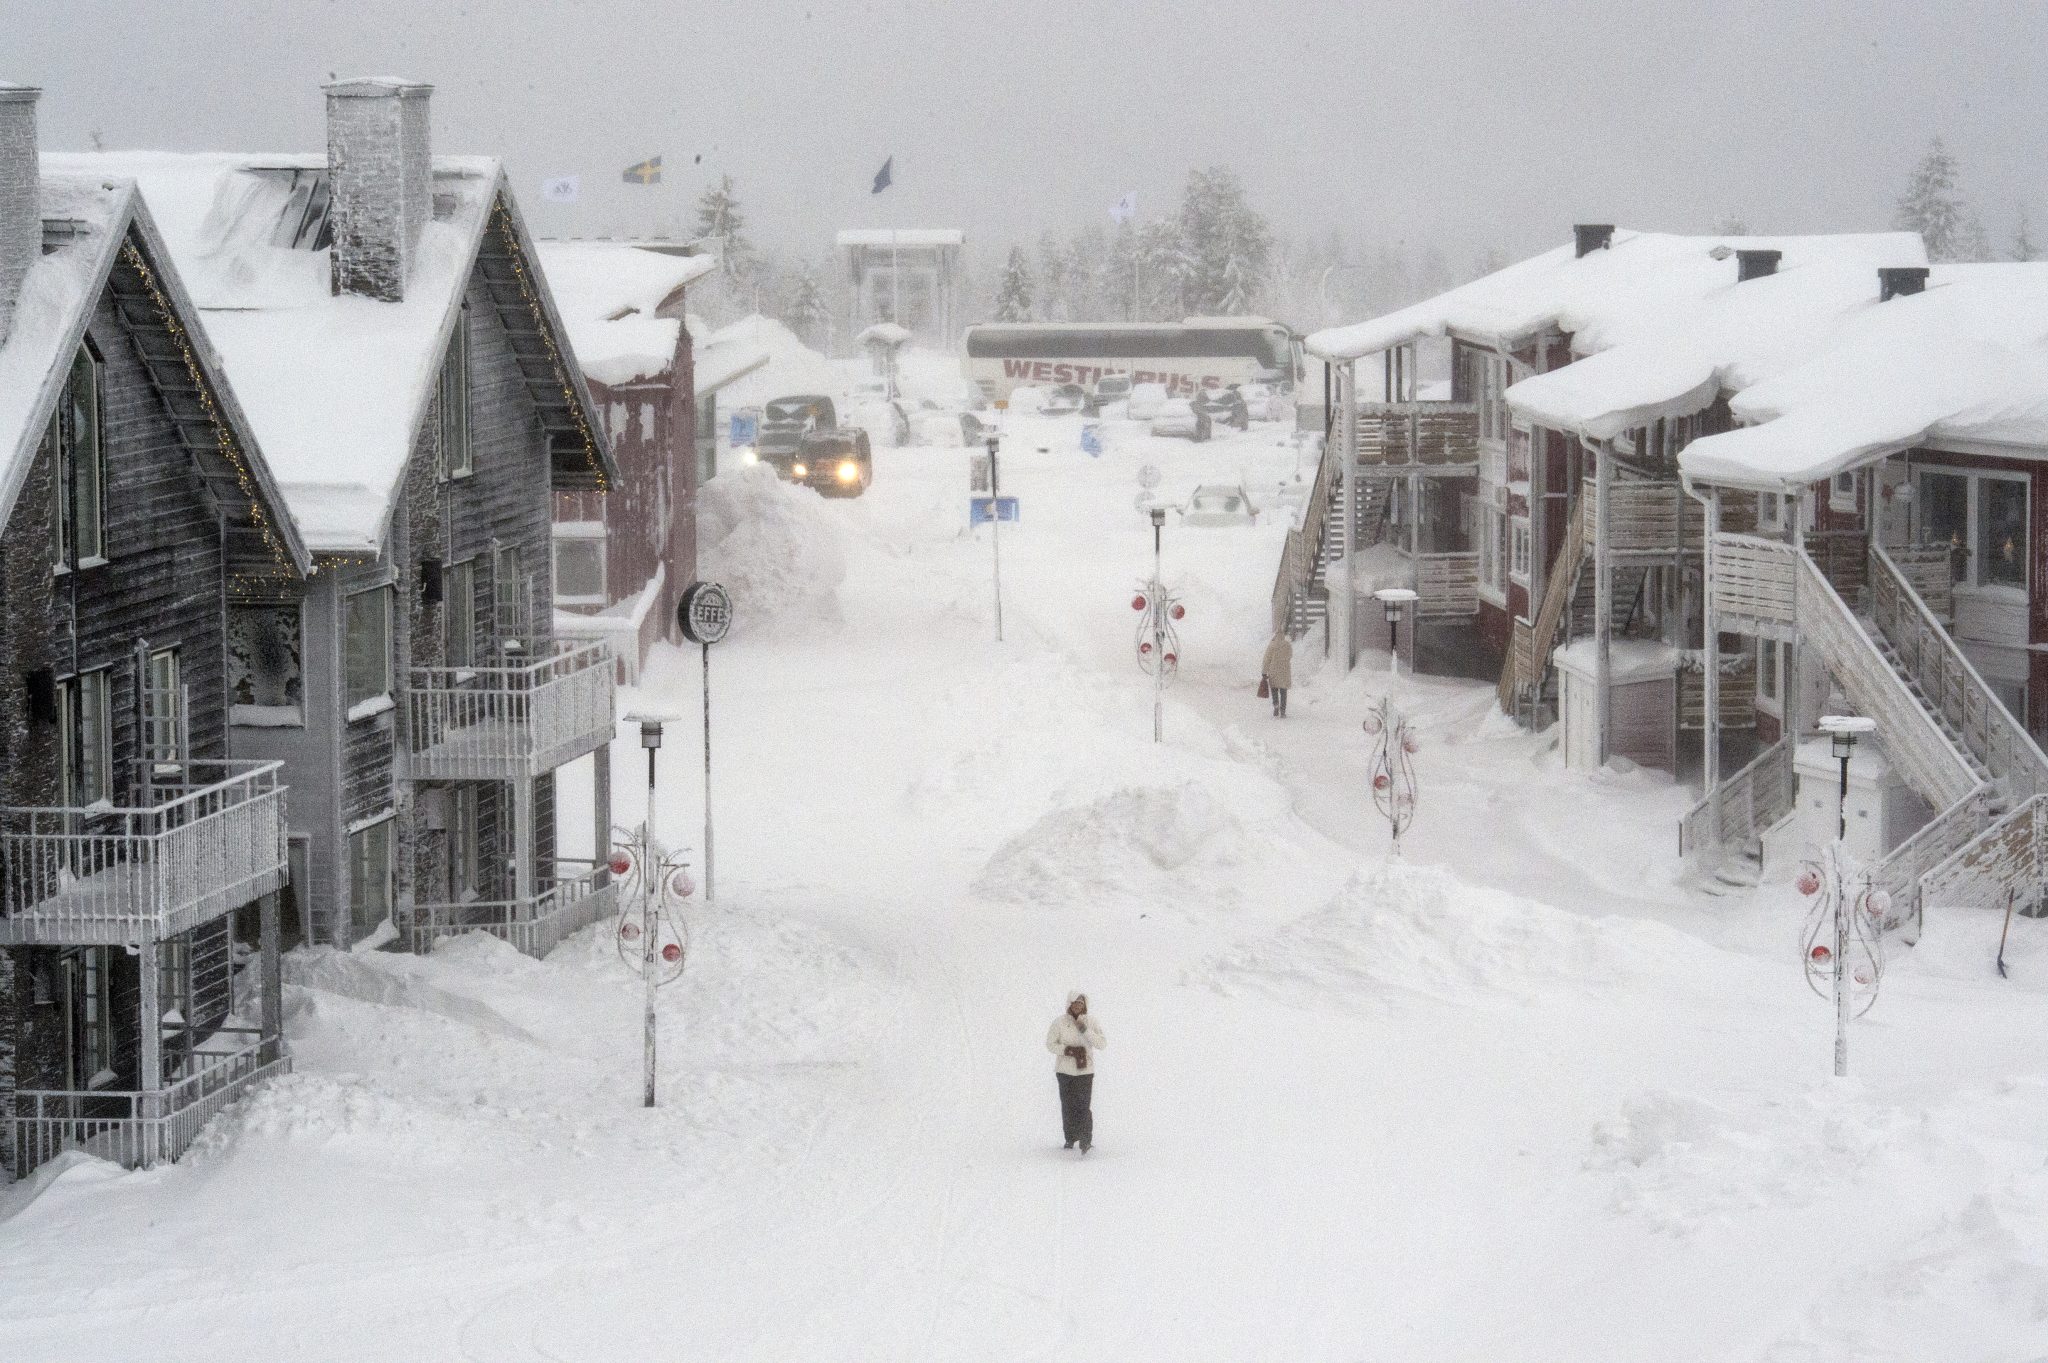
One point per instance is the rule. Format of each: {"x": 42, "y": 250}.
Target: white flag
{"x": 1124, "y": 209}
{"x": 563, "y": 189}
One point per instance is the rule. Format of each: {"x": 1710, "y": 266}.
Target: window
{"x": 1492, "y": 552}
{"x": 174, "y": 980}
{"x": 163, "y": 710}
{"x": 464, "y": 845}
{"x": 458, "y": 623}
{"x": 369, "y": 877}
{"x": 1842, "y": 492}
{"x": 2001, "y": 533}
{"x": 1492, "y": 372}
{"x": 707, "y": 438}
{"x": 1945, "y": 509}
{"x": 511, "y": 599}
{"x": 263, "y": 652}
{"x": 367, "y": 648}
{"x": 1518, "y": 549}
{"x": 579, "y": 568}
{"x": 79, "y": 463}
{"x": 88, "y": 757}
{"x": 1983, "y": 519}
{"x": 1770, "y": 675}
{"x": 457, "y": 459}
{"x": 89, "y": 1012}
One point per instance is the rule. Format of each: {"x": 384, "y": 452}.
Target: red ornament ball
{"x": 619, "y": 864}
{"x": 1809, "y": 883}
{"x": 1171, "y": 660}
{"x": 671, "y": 953}
{"x": 1409, "y": 745}
{"x": 1379, "y": 782}
{"x": 630, "y": 930}
{"x": 1179, "y": 611}
{"x": 1145, "y": 650}
{"x": 1138, "y": 602}
{"x": 681, "y": 885}
{"x": 1822, "y": 954}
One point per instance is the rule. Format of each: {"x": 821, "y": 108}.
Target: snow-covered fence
{"x": 495, "y": 723}
{"x": 1903, "y": 872}
{"x": 2008, "y": 857}
{"x": 199, "y": 842}
{"x": 139, "y": 1128}
{"x": 1743, "y": 806}
{"x": 535, "y": 926}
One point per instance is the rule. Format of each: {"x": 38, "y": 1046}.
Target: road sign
{"x": 1091, "y": 439}
{"x": 746, "y": 427}
{"x": 981, "y": 510}
{"x": 705, "y": 613}
{"x": 978, "y": 474}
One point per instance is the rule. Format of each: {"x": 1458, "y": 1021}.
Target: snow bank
{"x": 1143, "y": 844}
{"x": 773, "y": 546}
{"x": 1419, "y": 929}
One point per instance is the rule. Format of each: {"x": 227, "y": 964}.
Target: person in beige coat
{"x": 1074, "y": 1037}
{"x": 1278, "y": 670}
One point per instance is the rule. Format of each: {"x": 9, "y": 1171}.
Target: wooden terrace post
{"x": 1347, "y": 489}
{"x": 149, "y": 1063}
{"x": 270, "y": 965}
{"x": 601, "y": 802}
{"x": 522, "y": 840}
{"x": 1603, "y": 591}
{"x": 1710, "y": 638}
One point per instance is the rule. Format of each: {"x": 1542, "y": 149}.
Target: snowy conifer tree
{"x": 720, "y": 218}
{"x": 2023, "y": 247}
{"x": 1933, "y": 206}
{"x": 806, "y": 311}
{"x": 1227, "y": 243}
{"x": 1013, "y": 295}
{"x": 1053, "y": 300}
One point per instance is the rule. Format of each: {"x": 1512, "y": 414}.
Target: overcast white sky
{"x": 1471, "y": 124}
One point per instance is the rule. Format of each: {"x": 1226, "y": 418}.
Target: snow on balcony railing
{"x": 1744, "y": 806}
{"x": 536, "y": 926}
{"x": 137, "y": 1128}
{"x": 198, "y": 842}
{"x": 493, "y": 723}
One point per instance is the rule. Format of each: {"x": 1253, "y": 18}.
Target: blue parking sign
{"x": 1091, "y": 439}
{"x": 746, "y": 427}
{"x": 981, "y": 510}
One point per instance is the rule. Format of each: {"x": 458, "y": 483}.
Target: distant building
{"x": 909, "y": 276}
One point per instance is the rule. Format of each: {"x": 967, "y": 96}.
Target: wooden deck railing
{"x": 138, "y": 1128}
{"x": 536, "y": 926}
{"x": 1753, "y": 579}
{"x": 1301, "y": 554}
{"x": 195, "y": 845}
{"x": 1747, "y": 804}
{"x": 2008, "y": 857}
{"x": 1737, "y": 692}
{"x": 494, "y": 723}
{"x": 1936, "y": 663}
{"x": 1902, "y": 872}
{"x": 1434, "y": 433}
{"x": 1446, "y": 584}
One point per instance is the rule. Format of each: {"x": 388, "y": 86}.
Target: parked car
{"x": 1267, "y": 403}
{"x": 1109, "y": 389}
{"x": 1179, "y": 417}
{"x": 1218, "y": 504}
{"x": 1224, "y": 407}
{"x": 884, "y": 419}
{"x": 1065, "y": 399}
{"x": 785, "y": 422}
{"x": 1145, "y": 401}
{"x": 1025, "y": 398}
{"x": 836, "y": 463}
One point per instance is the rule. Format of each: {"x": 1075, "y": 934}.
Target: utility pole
{"x": 995, "y": 524}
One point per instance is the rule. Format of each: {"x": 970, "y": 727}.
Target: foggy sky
{"x": 1472, "y": 125}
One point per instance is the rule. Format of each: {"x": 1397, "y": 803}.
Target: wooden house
{"x": 384, "y": 319}
{"x": 140, "y": 864}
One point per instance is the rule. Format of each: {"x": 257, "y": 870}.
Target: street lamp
{"x": 1843, "y": 731}
{"x": 1395, "y": 601}
{"x": 1850, "y": 912}
{"x": 643, "y": 856}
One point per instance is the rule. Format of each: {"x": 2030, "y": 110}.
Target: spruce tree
{"x": 2023, "y": 247}
{"x": 1013, "y": 295}
{"x": 720, "y": 218}
{"x": 1933, "y": 206}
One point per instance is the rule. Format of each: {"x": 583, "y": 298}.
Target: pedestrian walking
{"x": 1278, "y": 671}
{"x": 1074, "y": 1036}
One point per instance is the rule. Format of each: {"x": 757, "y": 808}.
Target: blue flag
{"x": 882, "y": 176}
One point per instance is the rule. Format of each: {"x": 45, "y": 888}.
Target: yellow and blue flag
{"x": 647, "y": 172}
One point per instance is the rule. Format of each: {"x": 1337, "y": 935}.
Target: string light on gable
{"x": 510, "y": 241}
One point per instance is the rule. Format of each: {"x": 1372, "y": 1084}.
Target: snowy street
{"x": 1518, "y": 1097}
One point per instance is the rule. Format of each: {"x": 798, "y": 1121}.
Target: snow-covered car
{"x": 1178, "y": 417}
{"x": 836, "y": 463}
{"x": 944, "y": 429}
{"x": 1108, "y": 390}
{"x": 1025, "y": 398}
{"x": 1266, "y": 402}
{"x": 884, "y": 419}
{"x": 1145, "y": 401}
{"x": 1218, "y": 504}
{"x": 1065, "y": 399}
{"x": 1224, "y": 407}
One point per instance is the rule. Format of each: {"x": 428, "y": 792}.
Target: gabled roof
{"x": 621, "y": 304}
{"x": 1631, "y": 289}
{"x": 104, "y": 224}
{"x": 902, "y": 236}
{"x": 1964, "y": 362}
{"x": 336, "y": 385}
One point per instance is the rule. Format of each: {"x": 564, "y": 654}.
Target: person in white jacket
{"x": 1074, "y": 1037}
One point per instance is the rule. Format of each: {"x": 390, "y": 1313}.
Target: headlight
{"x": 799, "y": 471}
{"x": 748, "y": 455}
{"x": 849, "y": 472}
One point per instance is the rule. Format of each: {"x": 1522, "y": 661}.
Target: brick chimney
{"x": 382, "y": 173}
{"x": 1756, "y": 264}
{"x": 1898, "y": 280}
{"x": 21, "y": 213}
{"x": 1589, "y": 237}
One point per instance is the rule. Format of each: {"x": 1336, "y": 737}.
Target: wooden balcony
{"x": 1434, "y": 434}
{"x": 140, "y": 1128}
{"x": 199, "y": 843}
{"x": 510, "y": 723}
{"x": 536, "y": 926}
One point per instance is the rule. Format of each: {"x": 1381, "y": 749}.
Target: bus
{"x": 1185, "y": 356}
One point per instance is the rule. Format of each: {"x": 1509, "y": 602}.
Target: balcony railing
{"x": 139, "y": 1128}
{"x": 1431, "y": 433}
{"x": 196, "y": 844}
{"x": 536, "y": 926}
{"x": 498, "y": 723}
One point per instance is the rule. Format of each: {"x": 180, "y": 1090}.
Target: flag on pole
{"x": 1124, "y": 209}
{"x": 882, "y": 180}
{"x": 563, "y": 189}
{"x": 647, "y": 172}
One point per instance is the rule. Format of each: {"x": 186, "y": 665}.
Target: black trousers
{"x": 1076, "y": 1121}
{"x": 1279, "y": 699}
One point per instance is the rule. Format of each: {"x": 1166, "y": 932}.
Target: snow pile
{"x": 1421, "y": 930}
{"x": 773, "y": 546}
{"x": 1139, "y": 844}
{"x": 792, "y": 366}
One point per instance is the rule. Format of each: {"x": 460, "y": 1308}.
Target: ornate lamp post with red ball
{"x": 1159, "y": 615}
{"x": 1842, "y": 947}
{"x": 657, "y": 944}
{"x": 1393, "y": 767}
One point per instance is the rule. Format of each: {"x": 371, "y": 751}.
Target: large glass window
{"x": 457, "y": 459}
{"x": 579, "y": 570}
{"x": 1945, "y": 509}
{"x": 163, "y": 709}
{"x": 89, "y": 1009}
{"x": 459, "y": 623}
{"x": 1982, "y": 518}
{"x": 263, "y": 662}
{"x": 2001, "y": 532}
{"x": 83, "y": 715}
{"x": 367, "y": 646}
{"x": 1518, "y": 548}
{"x": 369, "y": 877}
{"x": 80, "y": 465}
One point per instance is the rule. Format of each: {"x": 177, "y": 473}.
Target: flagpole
{"x": 895, "y": 279}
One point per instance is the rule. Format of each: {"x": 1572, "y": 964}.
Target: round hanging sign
{"x": 705, "y": 613}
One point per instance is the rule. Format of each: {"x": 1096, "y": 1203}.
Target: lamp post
{"x": 1160, "y": 612}
{"x": 995, "y": 519}
{"x": 1843, "y": 731}
{"x": 1396, "y": 601}
{"x": 1847, "y": 917}
{"x": 641, "y": 855}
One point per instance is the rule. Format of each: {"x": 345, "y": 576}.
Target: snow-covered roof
{"x": 905, "y": 236}
{"x": 884, "y": 333}
{"x": 721, "y": 366}
{"x": 335, "y": 385}
{"x": 1606, "y": 297}
{"x": 55, "y": 306}
{"x": 1966, "y": 360}
{"x": 611, "y": 297}
{"x": 787, "y": 365}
